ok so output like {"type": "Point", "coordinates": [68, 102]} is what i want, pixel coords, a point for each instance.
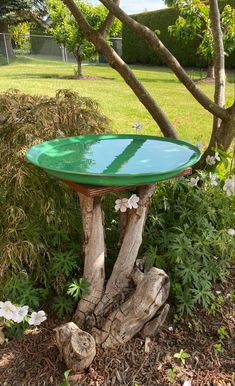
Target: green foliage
{"type": "Point", "coordinates": [65, 382]}
{"type": "Point", "coordinates": [63, 305]}
{"type": "Point", "coordinates": [67, 31]}
{"type": "Point", "coordinates": [78, 288]}
{"type": "Point", "coordinates": [14, 11]}
{"type": "Point", "coordinates": [40, 221]}
{"type": "Point", "coordinates": [21, 290]}
{"type": "Point", "coordinates": [222, 332]}
{"type": "Point", "coordinates": [182, 355]}
{"type": "Point", "coordinates": [20, 39]}
{"type": "Point", "coordinates": [186, 235]}
{"type": "Point", "coordinates": [218, 348]}
{"type": "Point", "coordinates": [136, 50]}
{"type": "Point", "coordinates": [171, 374]}
{"type": "Point", "coordinates": [194, 21]}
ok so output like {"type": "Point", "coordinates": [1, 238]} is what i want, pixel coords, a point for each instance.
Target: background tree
{"type": "Point", "coordinates": [194, 20]}
{"type": "Point", "coordinates": [67, 31]}
{"type": "Point", "coordinates": [12, 12]}
{"type": "Point", "coordinates": [15, 12]}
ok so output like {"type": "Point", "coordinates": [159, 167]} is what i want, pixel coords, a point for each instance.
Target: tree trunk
{"type": "Point", "coordinates": [132, 301]}
{"type": "Point", "coordinates": [210, 71]}
{"type": "Point", "coordinates": [79, 64]}
{"type": "Point", "coordinates": [5, 42]}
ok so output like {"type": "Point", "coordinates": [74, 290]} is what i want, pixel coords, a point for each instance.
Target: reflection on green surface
{"type": "Point", "coordinates": [119, 156]}
{"type": "Point", "coordinates": [113, 159]}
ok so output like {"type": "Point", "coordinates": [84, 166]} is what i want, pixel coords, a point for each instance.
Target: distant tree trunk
{"type": "Point", "coordinates": [5, 44]}
{"type": "Point", "coordinates": [79, 64]}
{"type": "Point", "coordinates": [210, 71]}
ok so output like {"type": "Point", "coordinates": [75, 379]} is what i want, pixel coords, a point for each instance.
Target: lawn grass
{"type": "Point", "coordinates": [116, 100]}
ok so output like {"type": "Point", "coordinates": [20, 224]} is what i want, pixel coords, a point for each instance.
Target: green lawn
{"type": "Point", "coordinates": [117, 101]}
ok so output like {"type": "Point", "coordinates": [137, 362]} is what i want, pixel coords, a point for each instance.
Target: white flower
{"type": "Point", "coordinates": [213, 179]}
{"type": "Point", "coordinates": [137, 126]}
{"type": "Point", "coordinates": [199, 145]}
{"type": "Point", "coordinates": [37, 318]}
{"type": "Point", "coordinates": [193, 181]}
{"type": "Point", "coordinates": [122, 204]}
{"type": "Point", "coordinates": [20, 314]}
{"type": "Point", "coordinates": [229, 186]}
{"type": "Point", "coordinates": [8, 310]}
{"type": "Point", "coordinates": [133, 200]}
{"type": "Point", "coordinates": [210, 160]}
{"type": "Point", "coordinates": [170, 328]}
{"type": "Point", "coordinates": [231, 232]}
{"type": "Point", "coordinates": [217, 157]}
{"type": "Point", "coordinates": [187, 383]}
{"type": "Point", "coordinates": [218, 292]}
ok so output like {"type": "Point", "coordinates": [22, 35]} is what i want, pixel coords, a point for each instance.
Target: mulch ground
{"type": "Point", "coordinates": [34, 360]}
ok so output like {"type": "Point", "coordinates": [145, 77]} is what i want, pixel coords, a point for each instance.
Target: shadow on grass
{"type": "Point", "coordinates": [61, 77]}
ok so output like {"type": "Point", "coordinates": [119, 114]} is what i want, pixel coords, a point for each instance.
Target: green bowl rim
{"type": "Point", "coordinates": [191, 162]}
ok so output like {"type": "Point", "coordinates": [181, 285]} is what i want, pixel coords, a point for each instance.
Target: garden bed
{"type": "Point", "coordinates": [34, 360]}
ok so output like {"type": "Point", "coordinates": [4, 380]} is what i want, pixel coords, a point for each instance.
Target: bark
{"type": "Point", "coordinates": [79, 64]}
{"type": "Point", "coordinates": [77, 347]}
{"type": "Point", "coordinates": [210, 71]}
{"type": "Point", "coordinates": [119, 65]}
{"type": "Point", "coordinates": [105, 27]}
{"type": "Point", "coordinates": [125, 322]}
{"type": "Point", "coordinates": [132, 299]}
{"type": "Point", "coordinates": [94, 252]}
{"type": "Point", "coordinates": [10, 51]}
{"type": "Point", "coordinates": [120, 278]}
{"type": "Point", "coordinates": [219, 95]}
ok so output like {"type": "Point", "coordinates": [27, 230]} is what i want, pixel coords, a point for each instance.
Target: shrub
{"type": "Point", "coordinates": [136, 50]}
{"type": "Point", "coordinates": [187, 235]}
{"type": "Point", "coordinates": [40, 221]}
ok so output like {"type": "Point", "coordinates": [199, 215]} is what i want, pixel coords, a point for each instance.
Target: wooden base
{"type": "Point", "coordinates": [94, 191]}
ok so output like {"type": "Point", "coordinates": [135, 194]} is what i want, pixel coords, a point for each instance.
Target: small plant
{"type": "Point", "coordinates": [222, 332]}
{"type": "Point", "coordinates": [218, 348]}
{"type": "Point", "coordinates": [78, 288]}
{"type": "Point", "coordinates": [216, 306]}
{"type": "Point", "coordinates": [63, 305]}
{"type": "Point", "coordinates": [171, 374]}
{"type": "Point", "coordinates": [65, 382]}
{"type": "Point", "coordinates": [182, 355]}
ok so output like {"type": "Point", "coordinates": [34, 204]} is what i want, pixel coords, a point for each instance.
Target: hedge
{"type": "Point", "coordinates": [136, 50]}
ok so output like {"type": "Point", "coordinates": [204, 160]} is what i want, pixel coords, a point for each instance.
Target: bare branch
{"type": "Point", "coordinates": [119, 65]}
{"type": "Point", "coordinates": [219, 96]}
{"type": "Point", "coordinates": [167, 57]}
{"type": "Point", "coordinates": [105, 27]}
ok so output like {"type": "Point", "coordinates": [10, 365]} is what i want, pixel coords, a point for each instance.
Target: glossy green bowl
{"type": "Point", "coordinates": [112, 160]}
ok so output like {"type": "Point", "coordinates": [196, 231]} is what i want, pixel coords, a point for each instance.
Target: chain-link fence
{"type": "Point", "coordinates": [43, 47]}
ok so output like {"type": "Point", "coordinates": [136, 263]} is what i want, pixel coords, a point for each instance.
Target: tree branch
{"type": "Point", "coordinates": [167, 57]}
{"type": "Point", "coordinates": [219, 95]}
{"type": "Point", "coordinates": [119, 65]}
{"type": "Point", "coordinates": [105, 27]}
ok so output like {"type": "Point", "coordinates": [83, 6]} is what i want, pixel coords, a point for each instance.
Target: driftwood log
{"type": "Point", "coordinates": [131, 302]}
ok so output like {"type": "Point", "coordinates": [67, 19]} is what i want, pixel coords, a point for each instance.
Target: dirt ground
{"type": "Point", "coordinates": [34, 360]}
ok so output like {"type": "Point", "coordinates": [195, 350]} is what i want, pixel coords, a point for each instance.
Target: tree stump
{"type": "Point", "coordinates": [132, 301]}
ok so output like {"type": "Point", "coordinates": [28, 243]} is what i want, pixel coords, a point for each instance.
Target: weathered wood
{"type": "Point", "coordinates": [77, 347]}
{"type": "Point", "coordinates": [123, 267]}
{"type": "Point", "coordinates": [128, 319]}
{"type": "Point", "coordinates": [151, 328]}
{"type": "Point", "coordinates": [94, 190]}
{"type": "Point", "coordinates": [94, 251]}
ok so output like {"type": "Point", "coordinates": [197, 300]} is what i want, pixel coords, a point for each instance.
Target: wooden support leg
{"type": "Point", "coordinates": [94, 252]}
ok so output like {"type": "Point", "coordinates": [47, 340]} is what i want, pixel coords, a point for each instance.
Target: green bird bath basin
{"type": "Point", "coordinates": [113, 160]}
